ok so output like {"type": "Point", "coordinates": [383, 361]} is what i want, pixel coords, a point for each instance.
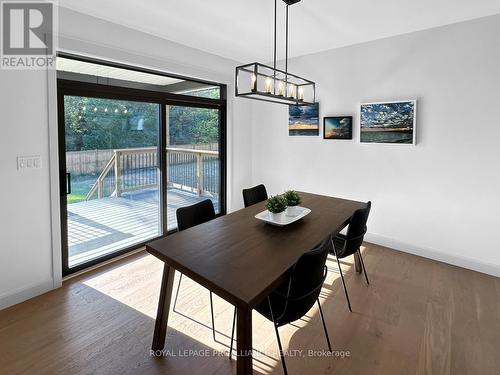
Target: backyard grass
{"type": "Point", "coordinates": [75, 198]}
{"type": "Point", "coordinates": [80, 186]}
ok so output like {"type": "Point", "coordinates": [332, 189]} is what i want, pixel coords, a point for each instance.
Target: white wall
{"type": "Point", "coordinates": [27, 266]}
{"type": "Point", "coordinates": [439, 199]}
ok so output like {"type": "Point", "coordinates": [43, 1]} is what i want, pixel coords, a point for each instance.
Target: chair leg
{"type": "Point", "coordinates": [282, 355]}
{"type": "Point", "coordinates": [177, 293]}
{"type": "Point", "coordinates": [232, 334]}
{"type": "Point", "coordinates": [363, 265]}
{"type": "Point", "coordinates": [212, 313]}
{"type": "Point", "coordinates": [324, 327]}
{"type": "Point", "coordinates": [342, 277]}
{"type": "Point", "coordinates": [211, 306]}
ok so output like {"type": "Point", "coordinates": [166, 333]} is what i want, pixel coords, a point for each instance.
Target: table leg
{"type": "Point", "coordinates": [244, 341]}
{"type": "Point", "coordinates": [167, 284]}
{"type": "Point", "coordinates": [357, 263]}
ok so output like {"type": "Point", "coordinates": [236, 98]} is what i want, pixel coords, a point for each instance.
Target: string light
{"type": "Point", "coordinates": [116, 110]}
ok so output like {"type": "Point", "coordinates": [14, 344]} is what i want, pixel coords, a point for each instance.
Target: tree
{"type": "Point", "coordinates": [96, 123]}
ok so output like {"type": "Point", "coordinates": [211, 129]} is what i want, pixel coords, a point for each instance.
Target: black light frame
{"type": "Point", "coordinates": [289, 78]}
{"type": "Point", "coordinates": [257, 94]}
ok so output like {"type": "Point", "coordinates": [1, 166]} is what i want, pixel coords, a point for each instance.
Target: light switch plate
{"type": "Point", "coordinates": [25, 162]}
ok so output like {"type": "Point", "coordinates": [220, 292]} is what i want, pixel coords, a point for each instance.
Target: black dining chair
{"type": "Point", "coordinates": [254, 195]}
{"type": "Point", "coordinates": [299, 292]}
{"type": "Point", "coordinates": [188, 217]}
{"type": "Point", "coordinates": [349, 244]}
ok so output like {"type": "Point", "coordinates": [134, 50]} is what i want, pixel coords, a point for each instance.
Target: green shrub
{"type": "Point", "coordinates": [276, 204]}
{"type": "Point", "coordinates": [292, 198]}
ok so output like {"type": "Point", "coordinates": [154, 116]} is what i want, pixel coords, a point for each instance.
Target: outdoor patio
{"type": "Point", "coordinates": [101, 226]}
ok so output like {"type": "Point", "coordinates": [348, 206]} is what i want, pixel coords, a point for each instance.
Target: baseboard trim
{"type": "Point", "coordinates": [26, 293]}
{"type": "Point", "coordinates": [456, 260]}
{"type": "Point", "coordinates": [20, 295]}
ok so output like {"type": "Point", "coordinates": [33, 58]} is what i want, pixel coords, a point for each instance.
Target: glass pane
{"type": "Point", "coordinates": [84, 71]}
{"type": "Point", "coordinates": [113, 166]}
{"type": "Point", "coordinates": [193, 158]}
{"type": "Point", "coordinates": [209, 92]}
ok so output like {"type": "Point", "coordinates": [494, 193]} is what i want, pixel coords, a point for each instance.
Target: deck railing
{"type": "Point", "coordinates": [132, 169]}
{"type": "Point", "coordinates": [193, 170]}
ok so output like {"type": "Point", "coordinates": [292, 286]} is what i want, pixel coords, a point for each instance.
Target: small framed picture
{"type": "Point", "coordinates": [388, 122]}
{"type": "Point", "coordinates": [303, 119]}
{"type": "Point", "coordinates": [339, 127]}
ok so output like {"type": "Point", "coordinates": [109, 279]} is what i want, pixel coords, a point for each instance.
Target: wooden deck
{"type": "Point", "coordinates": [102, 226]}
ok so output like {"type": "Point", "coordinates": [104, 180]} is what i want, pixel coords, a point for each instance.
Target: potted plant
{"type": "Point", "coordinates": [276, 206]}
{"type": "Point", "coordinates": [292, 201]}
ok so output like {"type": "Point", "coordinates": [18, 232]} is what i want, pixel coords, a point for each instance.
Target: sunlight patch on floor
{"type": "Point", "coordinates": [136, 284]}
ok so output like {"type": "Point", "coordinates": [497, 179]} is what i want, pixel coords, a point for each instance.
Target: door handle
{"type": "Point", "coordinates": [68, 183]}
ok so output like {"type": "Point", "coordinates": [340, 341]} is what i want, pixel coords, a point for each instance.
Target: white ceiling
{"type": "Point", "coordinates": [242, 30]}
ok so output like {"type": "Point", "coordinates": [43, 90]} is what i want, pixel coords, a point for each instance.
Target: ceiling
{"type": "Point", "coordinates": [242, 30]}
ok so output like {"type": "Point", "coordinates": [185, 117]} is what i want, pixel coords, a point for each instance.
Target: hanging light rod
{"type": "Point", "coordinates": [261, 82]}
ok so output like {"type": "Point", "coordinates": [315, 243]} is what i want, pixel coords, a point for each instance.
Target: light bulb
{"type": "Point", "coordinates": [95, 109]}
{"type": "Point", "coordinates": [254, 82]}
{"type": "Point", "coordinates": [281, 88]}
{"type": "Point", "coordinates": [301, 93]}
{"type": "Point", "coordinates": [125, 111]}
{"type": "Point", "coordinates": [116, 110]}
{"type": "Point", "coordinates": [105, 110]}
{"type": "Point", "coordinates": [84, 108]}
{"type": "Point", "coordinates": [291, 91]}
{"type": "Point", "coordinates": [79, 117]}
{"type": "Point", "coordinates": [268, 85]}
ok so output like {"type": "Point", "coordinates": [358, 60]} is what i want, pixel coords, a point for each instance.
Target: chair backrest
{"type": "Point", "coordinates": [305, 283]}
{"type": "Point", "coordinates": [195, 214]}
{"type": "Point", "coordinates": [254, 195]}
{"type": "Point", "coordinates": [357, 229]}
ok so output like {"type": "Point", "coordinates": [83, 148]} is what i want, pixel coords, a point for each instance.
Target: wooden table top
{"type": "Point", "coordinates": [242, 259]}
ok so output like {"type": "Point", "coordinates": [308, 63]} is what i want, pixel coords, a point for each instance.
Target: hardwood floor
{"type": "Point", "coordinates": [417, 317]}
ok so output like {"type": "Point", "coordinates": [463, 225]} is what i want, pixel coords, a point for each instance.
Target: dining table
{"type": "Point", "coordinates": [242, 259]}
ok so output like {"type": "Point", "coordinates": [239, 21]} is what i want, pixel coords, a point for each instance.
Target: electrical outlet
{"type": "Point", "coordinates": [25, 162]}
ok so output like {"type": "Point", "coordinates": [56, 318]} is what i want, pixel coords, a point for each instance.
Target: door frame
{"type": "Point", "coordinates": [76, 88]}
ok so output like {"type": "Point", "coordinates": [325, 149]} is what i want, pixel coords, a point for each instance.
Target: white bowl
{"type": "Point", "coordinates": [293, 210]}
{"type": "Point", "coordinates": [279, 217]}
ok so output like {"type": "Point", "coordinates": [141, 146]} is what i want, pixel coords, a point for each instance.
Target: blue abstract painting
{"type": "Point", "coordinates": [389, 122]}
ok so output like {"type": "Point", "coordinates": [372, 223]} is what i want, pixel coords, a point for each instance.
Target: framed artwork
{"type": "Point", "coordinates": [339, 127]}
{"type": "Point", "coordinates": [303, 119]}
{"type": "Point", "coordinates": [388, 122]}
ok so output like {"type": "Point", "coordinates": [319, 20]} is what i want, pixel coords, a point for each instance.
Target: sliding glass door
{"type": "Point", "coordinates": [111, 174]}
{"type": "Point", "coordinates": [193, 162]}
{"type": "Point", "coordinates": [134, 146]}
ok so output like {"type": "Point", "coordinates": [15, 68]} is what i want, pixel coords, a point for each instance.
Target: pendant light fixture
{"type": "Point", "coordinates": [261, 82]}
